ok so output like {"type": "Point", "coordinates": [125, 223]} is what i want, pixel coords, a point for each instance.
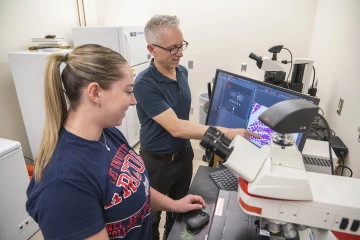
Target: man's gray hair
{"type": "Point", "coordinates": [153, 26]}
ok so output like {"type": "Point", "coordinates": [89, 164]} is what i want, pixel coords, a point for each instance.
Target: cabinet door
{"type": "Point", "coordinates": [133, 126]}
{"type": "Point", "coordinates": [132, 120]}
{"type": "Point", "coordinates": [123, 128]}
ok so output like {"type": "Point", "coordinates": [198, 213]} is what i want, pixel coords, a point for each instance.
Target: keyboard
{"type": "Point", "coordinates": [225, 180]}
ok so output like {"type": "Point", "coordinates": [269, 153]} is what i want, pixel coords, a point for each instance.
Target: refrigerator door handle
{"type": "Point", "coordinates": [127, 47]}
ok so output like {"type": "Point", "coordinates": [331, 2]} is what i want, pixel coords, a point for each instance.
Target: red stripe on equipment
{"type": "Point", "coordinates": [250, 208]}
{"type": "Point", "coordinates": [345, 236]}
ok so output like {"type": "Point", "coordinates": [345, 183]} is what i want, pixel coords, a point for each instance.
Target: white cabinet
{"type": "Point", "coordinates": [14, 181]}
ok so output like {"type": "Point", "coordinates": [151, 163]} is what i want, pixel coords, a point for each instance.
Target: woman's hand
{"type": "Point", "coordinates": [189, 203]}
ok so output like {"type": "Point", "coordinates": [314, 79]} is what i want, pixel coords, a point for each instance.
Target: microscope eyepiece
{"type": "Point", "coordinates": [218, 134]}
{"type": "Point", "coordinates": [255, 57]}
{"type": "Point", "coordinates": [213, 144]}
{"type": "Point", "coordinates": [258, 59]}
{"type": "Point", "coordinates": [225, 140]}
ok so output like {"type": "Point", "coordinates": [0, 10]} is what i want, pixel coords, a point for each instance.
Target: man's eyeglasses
{"type": "Point", "coordinates": [175, 50]}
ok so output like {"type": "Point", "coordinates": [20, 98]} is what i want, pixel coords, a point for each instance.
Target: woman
{"type": "Point", "coordinates": [89, 183]}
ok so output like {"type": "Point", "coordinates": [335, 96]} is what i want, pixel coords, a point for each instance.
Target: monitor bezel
{"type": "Point", "coordinates": [314, 99]}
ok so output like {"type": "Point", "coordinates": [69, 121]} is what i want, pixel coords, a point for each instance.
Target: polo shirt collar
{"type": "Point", "coordinates": [159, 77]}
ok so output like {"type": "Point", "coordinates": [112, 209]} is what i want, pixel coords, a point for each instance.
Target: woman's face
{"type": "Point", "coordinates": [119, 97]}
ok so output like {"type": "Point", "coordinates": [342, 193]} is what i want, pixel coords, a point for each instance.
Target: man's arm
{"type": "Point", "coordinates": [152, 102]}
{"type": "Point", "coordinates": [178, 127]}
{"type": "Point", "coordinates": [189, 130]}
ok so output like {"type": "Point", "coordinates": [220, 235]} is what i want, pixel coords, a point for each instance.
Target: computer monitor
{"type": "Point", "coordinates": [237, 101]}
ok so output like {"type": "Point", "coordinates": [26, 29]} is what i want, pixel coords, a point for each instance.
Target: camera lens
{"type": "Point", "coordinates": [289, 230]}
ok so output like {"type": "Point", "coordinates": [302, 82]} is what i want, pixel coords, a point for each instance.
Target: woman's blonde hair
{"type": "Point", "coordinates": [85, 64]}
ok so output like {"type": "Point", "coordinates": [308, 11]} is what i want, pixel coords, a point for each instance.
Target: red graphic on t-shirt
{"type": "Point", "coordinates": [125, 171]}
{"type": "Point", "coordinates": [120, 228]}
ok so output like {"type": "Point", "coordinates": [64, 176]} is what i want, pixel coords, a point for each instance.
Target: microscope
{"type": "Point", "coordinates": [274, 185]}
{"type": "Point", "coordinates": [275, 73]}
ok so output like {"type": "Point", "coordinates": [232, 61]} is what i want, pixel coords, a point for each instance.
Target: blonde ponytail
{"type": "Point", "coordinates": [55, 112]}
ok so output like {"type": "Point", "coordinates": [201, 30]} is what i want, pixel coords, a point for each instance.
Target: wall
{"type": "Point", "coordinates": [19, 21]}
{"type": "Point", "coordinates": [335, 49]}
{"type": "Point", "coordinates": [222, 34]}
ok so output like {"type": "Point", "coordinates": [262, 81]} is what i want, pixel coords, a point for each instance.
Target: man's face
{"type": "Point", "coordinates": [170, 38]}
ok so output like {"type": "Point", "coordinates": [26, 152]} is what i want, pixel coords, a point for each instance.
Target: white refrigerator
{"type": "Point", "coordinates": [130, 42]}
{"type": "Point", "coordinates": [15, 222]}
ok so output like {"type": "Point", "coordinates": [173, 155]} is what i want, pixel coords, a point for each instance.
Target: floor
{"type": "Point", "coordinates": [196, 163]}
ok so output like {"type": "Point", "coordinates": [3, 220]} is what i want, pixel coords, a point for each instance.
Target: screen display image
{"type": "Point", "coordinates": [256, 126]}
{"type": "Point", "coordinates": [237, 102]}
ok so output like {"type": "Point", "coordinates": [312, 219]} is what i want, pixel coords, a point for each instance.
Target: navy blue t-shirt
{"type": "Point", "coordinates": [156, 93]}
{"type": "Point", "coordinates": [86, 188]}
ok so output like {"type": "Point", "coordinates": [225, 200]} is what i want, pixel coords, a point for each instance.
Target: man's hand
{"type": "Point", "coordinates": [189, 203]}
{"type": "Point", "coordinates": [232, 132]}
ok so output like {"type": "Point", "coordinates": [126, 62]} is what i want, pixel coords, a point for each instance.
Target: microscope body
{"type": "Point", "coordinates": [275, 74]}
{"type": "Point", "coordinates": [273, 183]}
{"type": "Point", "coordinates": [272, 171]}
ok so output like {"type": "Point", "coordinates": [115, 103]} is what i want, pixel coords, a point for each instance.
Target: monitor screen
{"type": "Point", "coordinates": [237, 102]}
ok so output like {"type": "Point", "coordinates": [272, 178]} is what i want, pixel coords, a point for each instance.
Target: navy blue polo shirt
{"type": "Point", "coordinates": [156, 93]}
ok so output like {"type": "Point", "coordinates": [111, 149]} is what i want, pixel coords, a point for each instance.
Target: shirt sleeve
{"type": "Point", "coordinates": [68, 210]}
{"type": "Point", "coordinates": [150, 99]}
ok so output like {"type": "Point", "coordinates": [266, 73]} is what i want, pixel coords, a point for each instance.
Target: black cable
{"type": "Point", "coordinates": [333, 132]}
{"type": "Point", "coordinates": [315, 127]}
{"type": "Point", "coordinates": [343, 161]}
{"type": "Point", "coordinates": [319, 136]}
{"type": "Point", "coordinates": [287, 80]}
{"type": "Point", "coordinates": [318, 119]}
{"type": "Point", "coordinates": [312, 86]}
{"type": "Point", "coordinates": [209, 89]}
{"type": "Point", "coordinates": [29, 158]}
{"type": "Point", "coordinates": [330, 142]}
{"type": "Point", "coordinates": [351, 172]}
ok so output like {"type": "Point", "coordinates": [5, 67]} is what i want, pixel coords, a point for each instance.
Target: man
{"type": "Point", "coordinates": [163, 106]}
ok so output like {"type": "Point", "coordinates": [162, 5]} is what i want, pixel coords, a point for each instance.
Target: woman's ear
{"type": "Point", "coordinates": [94, 93]}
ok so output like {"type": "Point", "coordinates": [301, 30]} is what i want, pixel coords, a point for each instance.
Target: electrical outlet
{"type": "Point", "coordinates": [243, 67]}
{"type": "Point", "coordinates": [191, 110]}
{"type": "Point", "coordinates": [25, 224]}
{"type": "Point", "coordinates": [190, 65]}
{"type": "Point", "coordinates": [340, 106]}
